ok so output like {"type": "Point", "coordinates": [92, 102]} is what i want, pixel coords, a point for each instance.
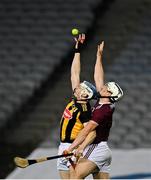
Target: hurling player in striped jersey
{"type": "Point", "coordinates": [77, 112]}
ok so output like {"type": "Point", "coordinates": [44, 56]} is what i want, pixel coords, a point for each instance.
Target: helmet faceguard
{"type": "Point", "coordinates": [88, 89]}
{"type": "Point", "coordinates": [116, 91]}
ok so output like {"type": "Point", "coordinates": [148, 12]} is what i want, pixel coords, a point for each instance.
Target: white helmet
{"type": "Point", "coordinates": [116, 91]}
{"type": "Point", "coordinates": [89, 88]}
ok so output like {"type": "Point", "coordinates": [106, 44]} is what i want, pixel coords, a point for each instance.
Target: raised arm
{"type": "Point", "coordinates": [76, 66]}
{"type": "Point", "coordinates": [98, 69]}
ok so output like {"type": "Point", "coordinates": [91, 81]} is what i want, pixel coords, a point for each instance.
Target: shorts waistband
{"type": "Point", "coordinates": [65, 143]}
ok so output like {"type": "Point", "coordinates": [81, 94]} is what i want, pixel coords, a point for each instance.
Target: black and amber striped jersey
{"type": "Point", "coordinates": [73, 118]}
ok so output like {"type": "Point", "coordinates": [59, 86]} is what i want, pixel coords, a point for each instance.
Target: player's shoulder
{"type": "Point", "coordinates": [104, 106]}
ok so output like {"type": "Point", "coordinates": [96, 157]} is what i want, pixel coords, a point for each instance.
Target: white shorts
{"type": "Point", "coordinates": [100, 154]}
{"type": "Point", "coordinates": [62, 163]}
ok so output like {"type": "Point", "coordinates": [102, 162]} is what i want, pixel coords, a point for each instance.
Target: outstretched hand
{"type": "Point", "coordinates": [79, 40]}
{"type": "Point", "coordinates": [100, 49]}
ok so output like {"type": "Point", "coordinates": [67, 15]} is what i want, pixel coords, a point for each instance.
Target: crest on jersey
{"type": "Point", "coordinates": [67, 114]}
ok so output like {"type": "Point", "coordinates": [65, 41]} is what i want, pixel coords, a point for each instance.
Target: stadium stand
{"type": "Point", "coordinates": [35, 39]}
{"type": "Point", "coordinates": [35, 54]}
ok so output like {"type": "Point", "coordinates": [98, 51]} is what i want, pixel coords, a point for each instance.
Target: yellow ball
{"type": "Point", "coordinates": [75, 31]}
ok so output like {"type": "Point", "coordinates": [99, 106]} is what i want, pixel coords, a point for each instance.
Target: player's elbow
{"type": "Point", "coordinates": [90, 128]}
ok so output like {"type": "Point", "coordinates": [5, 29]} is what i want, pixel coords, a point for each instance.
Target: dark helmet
{"type": "Point", "coordinates": [90, 89]}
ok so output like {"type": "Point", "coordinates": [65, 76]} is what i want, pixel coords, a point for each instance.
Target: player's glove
{"type": "Point", "coordinates": [79, 43]}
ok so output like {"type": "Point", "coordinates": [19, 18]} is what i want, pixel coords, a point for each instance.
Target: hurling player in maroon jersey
{"type": "Point", "coordinates": [97, 157]}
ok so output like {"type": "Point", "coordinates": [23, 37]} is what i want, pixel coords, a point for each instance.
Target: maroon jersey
{"type": "Point", "coordinates": [102, 115]}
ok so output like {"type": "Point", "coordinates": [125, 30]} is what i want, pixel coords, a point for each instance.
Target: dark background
{"type": "Point", "coordinates": [36, 51]}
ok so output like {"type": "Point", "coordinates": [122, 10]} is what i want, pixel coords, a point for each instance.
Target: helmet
{"type": "Point", "coordinates": [90, 89]}
{"type": "Point", "coordinates": [116, 91]}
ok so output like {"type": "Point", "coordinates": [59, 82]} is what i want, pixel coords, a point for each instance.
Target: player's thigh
{"type": "Point", "coordinates": [72, 172]}
{"type": "Point", "coordinates": [101, 175]}
{"type": "Point", "coordinates": [83, 168]}
{"type": "Point", "coordinates": [64, 174]}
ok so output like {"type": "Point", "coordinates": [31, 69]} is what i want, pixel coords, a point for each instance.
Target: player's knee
{"type": "Point", "coordinates": [80, 174]}
{"type": "Point", "coordinates": [104, 175]}
{"type": "Point", "coordinates": [77, 175]}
